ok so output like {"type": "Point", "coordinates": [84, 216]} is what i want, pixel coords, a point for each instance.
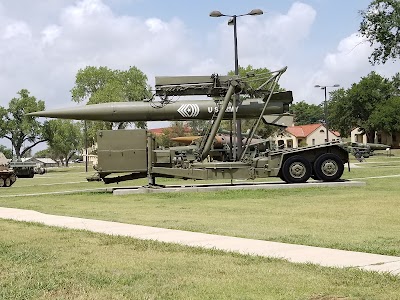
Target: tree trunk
{"type": "Point", "coordinates": [370, 136]}
{"type": "Point", "coordinates": [17, 151]}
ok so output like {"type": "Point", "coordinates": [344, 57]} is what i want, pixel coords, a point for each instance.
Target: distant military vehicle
{"type": "Point", "coordinates": [134, 152]}
{"type": "Point", "coordinates": [7, 174]}
{"type": "Point", "coordinates": [26, 169]}
{"type": "Point", "coordinates": [374, 146]}
{"type": "Point", "coordinates": [23, 169]}
{"type": "Point", "coordinates": [360, 150]}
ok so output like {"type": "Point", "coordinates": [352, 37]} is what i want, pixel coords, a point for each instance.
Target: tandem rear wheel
{"type": "Point", "coordinates": [6, 182]}
{"type": "Point", "coordinates": [296, 169]}
{"type": "Point", "coordinates": [328, 167]}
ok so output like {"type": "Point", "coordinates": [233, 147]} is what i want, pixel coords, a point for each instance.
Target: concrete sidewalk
{"type": "Point", "coordinates": [293, 253]}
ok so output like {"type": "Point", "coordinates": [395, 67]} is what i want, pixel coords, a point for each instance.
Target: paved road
{"type": "Point", "coordinates": [293, 253]}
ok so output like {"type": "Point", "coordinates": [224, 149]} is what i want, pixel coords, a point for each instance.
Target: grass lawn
{"type": "Point", "coordinates": [39, 262]}
{"type": "Point", "coordinates": [355, 218]}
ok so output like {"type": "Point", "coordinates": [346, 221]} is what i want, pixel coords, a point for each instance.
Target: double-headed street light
{"type": "Point", "coordinates": [323, 87]}
{"type": "Point", "coordinates": [232, 21]}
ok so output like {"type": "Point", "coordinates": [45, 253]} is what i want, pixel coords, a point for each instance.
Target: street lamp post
{"type": "Point", "coordinates": [323, 87]}
{"type": "Point", "coordinates": [86, 148]}
{"type": "Point", "coordinates": [232, 21]}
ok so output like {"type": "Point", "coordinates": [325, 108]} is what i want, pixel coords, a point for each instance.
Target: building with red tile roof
{"type": "Point", "coordinates": [159, 131]}
{"type": "Point", "coordinates": [305, 135]}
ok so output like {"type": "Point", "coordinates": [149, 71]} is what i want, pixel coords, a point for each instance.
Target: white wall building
{"type": "Point", "coordinates": [304, 135]}
{"type": "Point", "coordinates": [356, 136]}
{"type": "Point", "coordinates": [392, 140]}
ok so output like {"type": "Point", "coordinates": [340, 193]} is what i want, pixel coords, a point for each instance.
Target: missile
{"type": "Point", "coordinates": [220, 140]}
{"type": "Point", "coordinates": [173, 111]}
{"type": "Point", "coordinates": [186, 140]}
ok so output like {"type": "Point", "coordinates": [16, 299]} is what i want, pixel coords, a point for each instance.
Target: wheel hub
{"type": "Point", "coordinates": [297, 170]}
{"type": "Point", "coordinates": [329, 167]}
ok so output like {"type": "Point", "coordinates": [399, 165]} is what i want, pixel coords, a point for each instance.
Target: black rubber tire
{"type": "Point", "coordinates": [296, 169]}
{"type": "Point", "coordinates": [328, 167]}
{"type": "Point", "coordinates": [313, 176]}
{"type": "Point", "coordinates": [281, 176]}
{"type": "Point", "coordinates": [7, 182]}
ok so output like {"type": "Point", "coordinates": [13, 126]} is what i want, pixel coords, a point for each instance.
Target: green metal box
{"type": "Point", "coordinates": [122, 151]}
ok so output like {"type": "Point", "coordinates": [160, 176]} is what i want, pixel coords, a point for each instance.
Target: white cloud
{"type": "Point", "coordinates": [344, 66]}
{"type": "Point", "coordinates": [268, 41]}
{"type": "Point", "coordinates": [156, 25]}
{"type": "Point", "coordinates": [86, 13]}
{"type": "Point", "coordinates": [50, 34]}
{"type": "Point", "coordinates": [16, 30]}
{"type": "Point", "coordinates": [89, 33]}
{"type": "Point", "coordinates": [44, 55]}
{"type": "Point", "coordinates": [350, 55]}
{"type": "Point", "coordinates": [45, 60]}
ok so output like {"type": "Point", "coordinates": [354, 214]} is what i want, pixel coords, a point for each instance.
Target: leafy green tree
{"type": "Point", "coordinates": [340, 110]}
{"type": "Point", "coordinates": [196, 127]}
{"type": "Point", "coordinates": [396, 84]}
{"type": "Point", "coordinates": [27, 153]}
{"type": "Point", "coordinates": [353, 107]}
{"type": "Point", "coordinates": [380, 25]}
{"type": "Point", "coordinates": [64, 138]}
{"type": "Point", "coordinates": [250, 72]}
{"type": "Point", "coordinates": [386, 115]}
{"type": "Point", "coordinates": [24, 132]}
{"type": "Point", "coordinates": [44, 153]}
{"type": "Point", "coordinates": [6, 151]}
{"type": "Point", "coordinates": [305, 113]}
{"type": "Point", "coordinates": [263, 131]}
{"type": "Point", "coordinates": [102, 85]}
{"type": "Point", "coordinates": [176, 129]}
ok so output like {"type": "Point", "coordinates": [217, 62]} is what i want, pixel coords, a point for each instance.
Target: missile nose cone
{"type": "Point", "coordinates": [86, 112]}
{"type": "Point", "coordinates": [37, 114]}
{"type": "Point", "coordinates": [187, 140]}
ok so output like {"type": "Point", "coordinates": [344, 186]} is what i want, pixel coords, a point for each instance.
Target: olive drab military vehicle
{"type": "Point", "coordinates": [7, 174]}
{"type": "Point", "coordinates": [134, 154]}
{"type": "Point", "coordinates": [361, 151]}
{"type": "Point", "coordinates": [24, 169]}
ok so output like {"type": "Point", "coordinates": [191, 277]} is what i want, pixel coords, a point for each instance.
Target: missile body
{"type": "Point", "coordinates": [152, 111]}
{"type": "Point", "coordinates": [219, 141]}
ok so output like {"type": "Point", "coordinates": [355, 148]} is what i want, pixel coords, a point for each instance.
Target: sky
{"type": "Point", "coordinates": [43, 45]}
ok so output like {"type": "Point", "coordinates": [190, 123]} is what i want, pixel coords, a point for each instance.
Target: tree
{"type": "Point", "coordinates": [380, 25]}
{"type": "Point", "coordinates": [196, 127]}
{"type": "Point", "coordinates": [102, 85]}
{"type": "Point", "coordinates": [6, 151]}
{"type": "Point", "coordinates": [45, 153]}
{"type": "Point", "coordinates": [386, 115]}
{"type": "Point", "coordinates": [354, 107]}
{"type": "Point", "coordinates": [305, 113]}
{"type": "Point", "coordinates": [262, 73]}
{"type": "Point", "coordinates": [396, 84]}
{"type": "Point", "coordinates": [340, 116]}
{"type": "Point", "coordinates": [262, 130]}
{"type": "Point", "coordinates": [23, 131]}
{"type": "Point", "coordinates": [176, 129]}
{"type": "Point", "coordinates": [64, 138]}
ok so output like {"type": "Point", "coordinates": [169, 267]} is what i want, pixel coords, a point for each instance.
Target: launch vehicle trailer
{"type": "Point", "coordinates": [133, 154]}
